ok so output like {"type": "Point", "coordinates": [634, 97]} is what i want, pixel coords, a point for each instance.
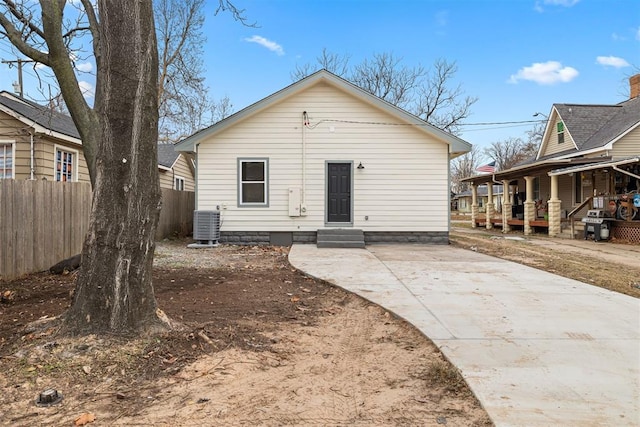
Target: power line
{"type": "Point", "coordinates": [19, 62]}
{"type": "Point", "coordinates": [502, 123]}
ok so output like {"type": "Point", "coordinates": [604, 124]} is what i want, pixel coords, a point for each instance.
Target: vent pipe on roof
{"type": "Point", "coordinates": [634, 85]}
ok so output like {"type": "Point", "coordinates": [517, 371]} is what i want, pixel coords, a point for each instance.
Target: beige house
{"type": "Point", "coordinates": [176, 169]}
{"type": "Point", "coordinates": [589, 159]}
{"type": "Point", "coordinates": [463, 201]}
{"type": "Point", "coordinates": [39, 143]}
{"type": "Point", "coordinates": [323, 156]}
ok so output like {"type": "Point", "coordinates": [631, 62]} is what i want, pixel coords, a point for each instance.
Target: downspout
{"type": "Point", "coordinates": [32, 157]}
{"type": "Point", "coordinates": [195, 187]}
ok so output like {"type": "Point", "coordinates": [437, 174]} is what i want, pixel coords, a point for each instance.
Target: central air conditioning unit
{"type": "Point", "coordinates": [206, 228]}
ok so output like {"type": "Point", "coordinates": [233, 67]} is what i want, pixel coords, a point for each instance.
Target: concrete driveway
{"type": "Point", "coordinates": [536, 349]}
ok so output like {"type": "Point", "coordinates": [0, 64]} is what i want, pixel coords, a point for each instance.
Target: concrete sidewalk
{"type": "Point", "coordinates": [536, 349]}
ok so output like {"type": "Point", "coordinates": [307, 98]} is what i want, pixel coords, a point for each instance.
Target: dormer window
{"type": "Point", "coordinates": [560, 127]}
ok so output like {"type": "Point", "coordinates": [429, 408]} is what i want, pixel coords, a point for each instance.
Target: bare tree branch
{"type": "Point", "coordinates": [510, 152]}
{"type": "Point", "coordinates": [464, 167]}
{"type": "Point", "coordinates": [23, 18]}
{"type": "Point", "coordinates": [428, 94]}
{"type": "Point", "coordinates": [19, 38]}
{"type": "Point", "coordinates": [238, 14]}
{"type": "Point", "coordinates": [94, 26]}
{"type": "Point", "coordinates": [441, 104]}
{"type": "Point", "coordinates": [334, 63]}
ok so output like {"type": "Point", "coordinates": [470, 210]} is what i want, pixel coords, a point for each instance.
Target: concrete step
{"type": "Point", "coordinates": [340, 238]}
{"type": "Point", "coordinates": [340, 232]}
{"type": "Point", "coordinates": [340, 244]}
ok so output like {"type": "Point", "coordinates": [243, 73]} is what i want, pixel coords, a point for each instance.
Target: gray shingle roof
{"type": "Point", "coordinates": [44, 116]}
{"type": "Point", "coordinates": [593, 126]}
{"type": "Point", "coordinates": [167, 155]}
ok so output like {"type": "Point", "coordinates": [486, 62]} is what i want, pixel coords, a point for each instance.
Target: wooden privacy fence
{"type": "Point", "coordinates": [176, 217]}
{"type": "Point", "coordinates": [43, 222]}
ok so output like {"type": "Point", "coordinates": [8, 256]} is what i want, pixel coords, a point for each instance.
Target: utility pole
{"type": "Point", "coordinates": [19, 62]}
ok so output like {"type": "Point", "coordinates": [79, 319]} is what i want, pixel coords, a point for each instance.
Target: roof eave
{"type": "Point", "coordinates": [39, 128]}
{"type": "Point", "coordinates": [595, 165]}
{"type": "Point", "coordinates": [456, 145]}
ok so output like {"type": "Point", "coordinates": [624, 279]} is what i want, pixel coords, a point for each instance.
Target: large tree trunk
{"type": "Point", "coordinates": [114, 292]}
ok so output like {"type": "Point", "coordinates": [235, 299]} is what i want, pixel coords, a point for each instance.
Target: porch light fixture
{"type": "Point", "coordinates": [360, 166]}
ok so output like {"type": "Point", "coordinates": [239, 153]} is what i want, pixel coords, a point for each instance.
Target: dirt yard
{"type": "Point", "coordinates": [262, 345]}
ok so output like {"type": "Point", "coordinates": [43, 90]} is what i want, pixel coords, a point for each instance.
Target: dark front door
{"type": "Point", "coordinates": [339, 192]}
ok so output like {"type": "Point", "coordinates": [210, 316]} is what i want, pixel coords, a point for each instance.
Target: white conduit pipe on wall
{"type": "Point", "coordinates": [32, 166]}
{"type": "Point", "coordinates": [305, 122]}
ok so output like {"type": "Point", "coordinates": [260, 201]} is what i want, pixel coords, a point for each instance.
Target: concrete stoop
{"type": "Point", "coordinates": [340, 238]}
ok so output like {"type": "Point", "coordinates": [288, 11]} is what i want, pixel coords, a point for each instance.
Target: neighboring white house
{"type": "Point", "coordinates": [325, 154]}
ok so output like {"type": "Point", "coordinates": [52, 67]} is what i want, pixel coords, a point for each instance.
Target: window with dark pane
{"type": "Point", "coordinates": [253, 171]}
{"type": "Point", "coordinates": [253, 182]}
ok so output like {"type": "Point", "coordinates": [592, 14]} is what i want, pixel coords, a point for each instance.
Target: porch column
{"type": "Point", "coordinates": [474, 205]}
{"type": "Point", "coordinates": [506, 206]}
{"type": "Point", "coordinates": [553, 206]}
{"type": "Point", "coordinates": [491, 207]}
{"type": "Point", "coordinates": [529, 205]}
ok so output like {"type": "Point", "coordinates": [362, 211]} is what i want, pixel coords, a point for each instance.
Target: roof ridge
{"type": "Point", "coordinates": [588, 105]}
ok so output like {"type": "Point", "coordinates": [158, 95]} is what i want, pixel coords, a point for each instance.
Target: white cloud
{"type": "Point", "coordinates": [638, 34]}
{"type": "Point", "coordinates": [87, 89]}
{"type": "Point", "coordinates": [442, 18]}
{"type": "Point", "coordinates": [564, 3]}
{"type": "Point", "coordinates": [271, 45]}
{"type": "Point", "coordinates": [545, 73]}
{"type": "Point", "coordinates": [85, 67]}
{"type": "Point", "coordinates": [617, 37]}
{"type": "Point", "coordinates": [612, 61]}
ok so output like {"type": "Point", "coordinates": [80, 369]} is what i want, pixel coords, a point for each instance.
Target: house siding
{"type": "Point", "coordinates": [10, 131]}
{"type": "Point", "coordinates": [565, 192]}
{"type": "Point", "coordinates": [552, 146]}
{"type": "Point", "coordinates": [627, 146]}
{"type": "Point", "coordinates": [43, 152]}
{"type": "Point", "coordinates": [45, 160]}
{"type": "Point", "coordinates": [403, 186]}
{"type": "Point", "coordinates": [182, 169]}
{"type": "Point", "coordinates": [166, 179]}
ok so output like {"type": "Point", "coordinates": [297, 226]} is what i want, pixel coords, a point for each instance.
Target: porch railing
{"type": "Point", "coordinates": [575, 210]}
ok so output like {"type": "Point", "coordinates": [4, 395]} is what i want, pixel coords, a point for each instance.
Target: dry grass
{"type": "Point", "coordinates": [585, 268]}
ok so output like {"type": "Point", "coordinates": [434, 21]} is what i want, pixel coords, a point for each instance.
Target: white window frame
{"type": "Point", "coordinates": [178, 179]}
{"type": "Point", "coordinates": [13, 157]}
{"type": "Point", "coordinates": [560, 132]}
{"type": "Point", "coordinates": [75, 162]}
{"type": "Point", "coordinates": [265, 162]}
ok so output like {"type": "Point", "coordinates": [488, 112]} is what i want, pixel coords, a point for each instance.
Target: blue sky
{"type": "Point", "coordinates": [517, 57]}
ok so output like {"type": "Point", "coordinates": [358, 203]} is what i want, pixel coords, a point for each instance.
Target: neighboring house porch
{"type": "Point", "coordinates": [589, 159]}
